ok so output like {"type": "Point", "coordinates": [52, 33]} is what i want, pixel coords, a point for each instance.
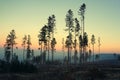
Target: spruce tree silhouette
{"type": "Point", "coordinates": [28, 55]}
{"type": "Point", "coordinates": [24, 45]}
{"type": "Point", "coordinates": [85, 44]}
{"type": "Point", "coordinates": [99, 44]}
{"type": "Point", "coordinates": [80, 48]}
{"type": "Point", "coordinates": [83, 39]}
{"type": "Point", "coordinates": [7, 49]}
{"type": "Point", "coordinates": [76, 34]}
{"type": "Point", "coordinates": [12, 39]}
{"type": "Point", "coordinates": [93, 42]}
{"type": "Point", "coordinates": [70, 28]}
{"type": "Point", "coordinates": [51, 28]}
{"type": "Point", "coordinates": [43, 40]}
{"type": "Point", "coordinates": [9, 45]}
{"type": "Point", "coordinates": [90, 52]}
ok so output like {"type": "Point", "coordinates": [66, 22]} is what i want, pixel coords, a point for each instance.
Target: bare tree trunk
{"type": "Point", "coordinates": [52, 47]}
{"type": "Point", "coordinates": [12, 51]}
{"type": "Point", "coordinates": [69, 48]}
{"type": "Point", "coordinates": [93, 52]}
{"type": "Point", "coordinates": [68, 55]}
{"type": "Point", "coordinates": [23, 53]}
{"type": "Point", "coordinates": [41, 53]}
{"type": "Point", "coordinates": [52, 55]}
{"type": "Point", "coordinates": [48, 48]}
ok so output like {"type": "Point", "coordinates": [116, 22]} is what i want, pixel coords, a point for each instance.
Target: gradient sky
{"type": "Point", "coordinates": [102, 18]}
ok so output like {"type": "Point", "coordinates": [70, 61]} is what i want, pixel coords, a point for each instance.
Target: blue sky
{"type": "Point", "coordinates": [28, 16]}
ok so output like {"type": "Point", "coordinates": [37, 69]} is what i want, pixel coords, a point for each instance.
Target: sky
{"type": "Point", "coordinates": [29, 16]}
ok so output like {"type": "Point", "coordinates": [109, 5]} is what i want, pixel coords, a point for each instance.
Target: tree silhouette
{"type": "Point", "coordinates": [7, 49]}
{"type": "Point", "coordinates": [32, 53]}
{"type": "Point", "coordinates": [52, 28]}
{"type": "Point", "coordinates": [80, 48]}
{"type": "Point", "coordinates": [85, 44]}
{"type": "Point", "coordinates": [70, 28]}
{"type": "Point", "coordinates": [93, 42]}
{"type": "Point", "coordinates": [81, 13]}
{"type": "Point", "coordinates": [49, 28]}
{"type": "Point", "coordinates": [53, 42]}
{"type": "Point", "coordinates": [9, 45]}
{"type": "Point", "coordinates": [89, 52]}
{"type": "Point", "coordinates": [24, 45]}
{"type": "Point", "coordinates": [63, 46]}
{"type": "Point", "coordinates": [97, 57]}
{"type": "Point", "coordinates": [28, 55]}
{"type": "Point", "coordinates": [12, 39]}
{"type": "Point", "coordinates": [15, 57]}
{"type": "Point", "coordinates": [99, 44]}
{"type": "Point", "coordinates": [46, 36]}
{"type": "Point", "coordinates": [76, 30]}
{"type": "Point", "coordinates": [43, 40]}
{"type": "Point", "coordinates": [83, 40]}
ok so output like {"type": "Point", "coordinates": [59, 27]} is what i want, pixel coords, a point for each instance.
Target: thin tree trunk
{"type": "Point", "coordinates": [23, 53]}
{"type": "Point", "coordinates": [52, 47]}
{"type": "Point", "coordinates": [52, 55]}
{"type": "Point", "coordinates": [41, 53]}
{"type": "Point", "coordinates": [68, 54]}
{"type": "Point", "coordinates": [93, 52]}
{"type": "Point", "coordinates": [48, 48]}
{"type": "Point", "coordinates": [69, 48]}
{"type": "Point", "coordinates": [12, 51]}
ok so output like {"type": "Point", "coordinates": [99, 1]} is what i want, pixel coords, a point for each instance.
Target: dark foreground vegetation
{"type": "Point", "coordinates": [87, 71]}
{"type": "Point", "coordinates": [17, 67]}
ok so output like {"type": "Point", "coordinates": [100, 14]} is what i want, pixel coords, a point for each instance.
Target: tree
{"type": "Point", "coordinates": [63, 45]}
{"type": "Point", "coordinates": [85, 44]}
{"type": "Point", "coordinates": [76, 34]}
{"type": "Point", "coordinates": [69, 24]}
{"type": "Point", "coordinates": [32, 53]}
{"type": "Point", "coordinates": [83, 36]}
{"type": "Point", "coordinates": [90, 52]}
{"type": "Point", "coordinates": [99, 44]}
{"type": "Point", "coordinates": [51, 28]}
{"type": "Point", "coordinates": [7, 49]}
{"type": "Point", "coordinates": [97, 57]}
{"type": "Point", "coordinates": [24, 45]}
{"type": "Point", "coordinates": [93, 42]}
{"type": "Point", "coordinates": [12, 39]}
{"type": "Point", "coordinates": [80, 48]}
{"type": "Point", "coordinates": [81, 13]}
{"type": "Point", "coordinates": [43, 40]}
{"type": "Point", "coordinates": [15, 58]}
{"type": "Point", "coordinates": [28, 55]}
{"type": "Point", "coordinates": [53, 41]}
{"type": "Point", "coordinates": [9, 45]}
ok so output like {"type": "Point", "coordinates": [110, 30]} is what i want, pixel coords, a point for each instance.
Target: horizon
{"type": "Point", "coordinates": [59, 55]}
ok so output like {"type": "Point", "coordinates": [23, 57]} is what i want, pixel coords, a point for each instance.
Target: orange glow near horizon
{"type": "Point", "coordinates": [104, 48]}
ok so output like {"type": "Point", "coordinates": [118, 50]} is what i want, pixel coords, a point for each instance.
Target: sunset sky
{"type": "Point", "coordinates": [102, 18]}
